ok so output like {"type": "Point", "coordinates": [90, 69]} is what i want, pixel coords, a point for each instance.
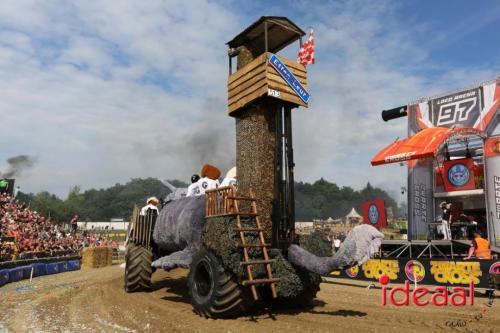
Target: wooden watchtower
{"type": "Point", "coordinates": [261, 95]}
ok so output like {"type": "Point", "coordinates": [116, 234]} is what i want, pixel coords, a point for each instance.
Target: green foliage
{"type": "Point", "coordinates": [219, 237]}
{"type": "Point", "coordinates": [315, 244]}
{"type": "Point", "coordinates": [323, 199]}
{"type": "Point", "coordinates": [290, 284]}
{"type": "Point", "coordinates": [98, 205]}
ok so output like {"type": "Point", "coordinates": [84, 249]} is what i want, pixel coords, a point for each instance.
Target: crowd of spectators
{"type": "Point", "coordinates": [26, 234]}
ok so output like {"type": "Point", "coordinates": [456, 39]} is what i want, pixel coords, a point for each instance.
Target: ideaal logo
{"type": "Point", "coordinates": [458, 175]}
{"type": "Point", "coordinates": [373, 215]}
{"type": "Point", "coordinates": [440, 297]}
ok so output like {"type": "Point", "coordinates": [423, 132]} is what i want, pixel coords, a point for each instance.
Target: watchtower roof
{"type": "Point", "coordinates": [281, 32]}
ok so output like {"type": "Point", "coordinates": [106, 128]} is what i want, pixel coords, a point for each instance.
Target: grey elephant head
{"type": "Point", "coordinates": [175, 192]}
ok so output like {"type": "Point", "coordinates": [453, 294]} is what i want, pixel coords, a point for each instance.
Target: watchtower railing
{"type": "Point", "coordinates": [220, 201]}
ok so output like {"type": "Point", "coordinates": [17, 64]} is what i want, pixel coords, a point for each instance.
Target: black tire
{"type": "Point", "coordinates": [138, 268]}
{"type": "Point", "coordinates": [214, 292]}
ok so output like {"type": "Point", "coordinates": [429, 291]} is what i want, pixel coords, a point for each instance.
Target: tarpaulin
{"type": "Point", "coordinates": [425, 143]}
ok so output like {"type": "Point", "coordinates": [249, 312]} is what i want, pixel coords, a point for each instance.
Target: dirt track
{"type": "Point", "coordinates": [94, 301]}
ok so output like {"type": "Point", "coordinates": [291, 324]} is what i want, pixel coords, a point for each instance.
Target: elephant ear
{"type": "Point", "coordinates": [361, 244]}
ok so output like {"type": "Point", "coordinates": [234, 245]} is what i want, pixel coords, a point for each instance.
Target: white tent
{"type": "Point", "coordinates": [353, 217]}
{"type": "Point", "coordinates": [353, 214]}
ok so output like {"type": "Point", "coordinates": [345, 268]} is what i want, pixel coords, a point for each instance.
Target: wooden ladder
{"type": "Point", "coordinates": [261, 244]}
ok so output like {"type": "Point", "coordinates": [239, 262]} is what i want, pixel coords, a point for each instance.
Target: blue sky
{"type": "Point", "coordinates": [102, 91]}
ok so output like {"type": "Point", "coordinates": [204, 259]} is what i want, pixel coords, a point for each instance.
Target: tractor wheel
{"type": "Point", "coordinates": [138, 268]}
{"type": "Point", "coordinates": [214, 292]}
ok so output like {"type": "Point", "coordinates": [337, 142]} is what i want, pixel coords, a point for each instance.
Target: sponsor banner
{"type": "Point", "coordinates": [475, 108]}
{"type": "Point", "coordinates": [461, 108]}
{"type": "Point", "coordinates": [288, 76]}
{"type": "Point", "coordinates": [374, 213]}
{"type": "Point", "coordinates": [420, 199]}
{"type": "Point", "coordinates": [492, 169]}
{"type": "Point", "coordinates": [424, 271]}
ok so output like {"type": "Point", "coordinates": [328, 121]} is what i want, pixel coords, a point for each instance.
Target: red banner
{"type": "Point", "coordinates": [374, 213]}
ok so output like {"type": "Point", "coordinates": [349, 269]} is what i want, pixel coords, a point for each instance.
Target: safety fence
{"type": "Point", "coordinates": [27, 269]}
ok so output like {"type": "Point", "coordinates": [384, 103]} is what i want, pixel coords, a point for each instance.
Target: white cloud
{"type": "Point", "coordinates": [101, 92]}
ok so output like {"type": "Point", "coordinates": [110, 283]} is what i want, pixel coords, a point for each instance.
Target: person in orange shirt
{"type": "Point", "coordinates": [480, 248]}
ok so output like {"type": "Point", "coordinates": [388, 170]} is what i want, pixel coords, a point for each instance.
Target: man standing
{"type": "Point", "coordinates": [445, 220]}
{"type": "Point", "coordinates": [336, 243]}
{"type": "Point", "coordinates": [74, 223]}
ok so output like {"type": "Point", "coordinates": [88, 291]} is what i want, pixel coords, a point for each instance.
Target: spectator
{"type": "Point", "coordinates": [151, 203]}
{"type": "Point", "coordinates": [74, 223]}
{"type": "Point", "coordinates": [336, 244]}
{"type": "Point", "coordinates": [27, 234]}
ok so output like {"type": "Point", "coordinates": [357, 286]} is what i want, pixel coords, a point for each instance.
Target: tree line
{"type": "Point", "coordinates": [320, 199]}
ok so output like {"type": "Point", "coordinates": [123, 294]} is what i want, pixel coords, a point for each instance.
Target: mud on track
{"type": "Point", "coordinates": [94, 301]}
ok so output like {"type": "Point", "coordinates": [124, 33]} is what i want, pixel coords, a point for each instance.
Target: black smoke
{"type": "Point", "coordinates": [16, 164]}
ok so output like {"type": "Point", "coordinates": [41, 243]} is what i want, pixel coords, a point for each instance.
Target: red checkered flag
{"type": "Point", "coordinates": [306, 53]}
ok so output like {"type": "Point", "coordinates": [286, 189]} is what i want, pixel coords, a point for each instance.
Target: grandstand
{"type": "Point", "coordinates": [27, 235]}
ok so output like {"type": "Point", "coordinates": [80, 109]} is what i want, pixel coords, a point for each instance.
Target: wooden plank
{"type": "Point", "coordinates": [241, 103]}
{"type": "Point", "coordinates": [247, 84]}
{"type": "Point", "coordinates": [246, 77]}
{"type": "Point", "coordinates": [257, 262]}
{"type": "Point", "coordinates": [256, 71]}
{"type": "Point", "coordinates": [278, 81]}
{"type": "Point", "coordinates": [248, 92]}
{"type": "Point", "coordinates": [260, 281]}
{"type": "Point", "coordinates": [274, 82]}
{"type": "Point", "coordinates": [249, 67]}
{"type": "Point", "coordinates": [300, 77]}
{"type": "Point", "coordinates": [286, 96]}
{"type": "Point", "coordinates": [273, 75]}
{"type": "Point", "coordinates": [282, 88]}
{"type": "Point", "coordinates": [249, 95]}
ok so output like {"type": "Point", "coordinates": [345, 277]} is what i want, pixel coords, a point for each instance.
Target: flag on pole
{"type": "Point", "coordinates": [306, 52]}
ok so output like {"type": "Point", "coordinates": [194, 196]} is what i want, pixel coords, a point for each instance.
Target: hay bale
{"type": "Point", "coordinates": [96, 257]}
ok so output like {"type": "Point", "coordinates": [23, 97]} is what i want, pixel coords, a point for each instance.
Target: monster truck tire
{"type": "Point", "coordinates": [214, 292]}
{"type": "Point", "coordinates": [138, 268]}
